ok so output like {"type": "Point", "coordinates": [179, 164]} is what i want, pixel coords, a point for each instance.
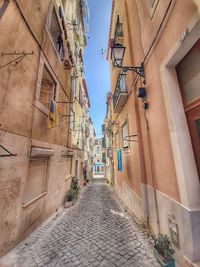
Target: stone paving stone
{"type": "Point", "coordinates": [92, 233]}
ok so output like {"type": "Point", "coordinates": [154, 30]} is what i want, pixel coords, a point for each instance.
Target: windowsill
{"type": "Point", "coordinates": [34, 200]}
{"type": "Point", "coordinates": [41, 107]}
{"type": "Point", "coordinates": [68, 177]}
{"type": "Point", "coordinates": [126, 150]}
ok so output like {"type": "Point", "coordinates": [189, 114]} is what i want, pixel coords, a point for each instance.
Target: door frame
{"type": "Point", "coordinates": [190, 114]}
{"type": "Point", "coordinates": [185, 165]}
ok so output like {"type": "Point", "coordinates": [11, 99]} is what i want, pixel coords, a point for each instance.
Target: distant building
{"type": "Point", "coordinates": [108, 145]}
{"type": "Point", "coordinates": [99, 165]}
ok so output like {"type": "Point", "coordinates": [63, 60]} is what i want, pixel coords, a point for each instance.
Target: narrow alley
{"type": "Point", "coordinates": [95, 232]}
{"type": "Point", "coordinates": [100, 133]}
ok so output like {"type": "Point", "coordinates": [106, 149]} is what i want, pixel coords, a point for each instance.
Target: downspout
{"type": "Point", "coordinates": [140, 144]}
{"type": "Point", "coordinates": [146, 120]}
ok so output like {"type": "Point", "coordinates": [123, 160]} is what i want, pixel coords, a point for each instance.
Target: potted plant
{"type": "Point", "coordinates": [72, 193]}
{"type": "Point", "coordinates": [163, 250]}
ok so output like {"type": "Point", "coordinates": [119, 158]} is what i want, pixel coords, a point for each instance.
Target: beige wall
{"type": "Point", "coordinates": [23, 122]}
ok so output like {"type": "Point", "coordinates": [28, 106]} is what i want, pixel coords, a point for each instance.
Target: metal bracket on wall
{"type": "Point", "coordinates": [10, 154]}
{"type": "Point", "coordinates": [67, 115]}
{"type": "Point", "coordinates": [130, 138]}
{"type": "Point", "coordinates": [20, 57]}
{"type": "Point", "coordinates": [67, 102]}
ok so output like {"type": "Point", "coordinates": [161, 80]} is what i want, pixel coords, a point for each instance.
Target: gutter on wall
{"type": "Point", "coordinates": [141, 152]}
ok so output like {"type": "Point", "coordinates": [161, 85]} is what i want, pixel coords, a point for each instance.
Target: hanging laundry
{"type": "Point", "coordinates": [53, 115]}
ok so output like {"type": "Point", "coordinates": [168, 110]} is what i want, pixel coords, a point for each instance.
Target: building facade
{"type": "Point", "coordinates": [41, 94]}
{"type": "Point", "coordinates": [109, 148]}
{"type": "Point", "coordinates": [90, 148]}
{"type": "Point", "coordinates": [99, 165]}
{"type": "Point", "coordinates": [156, 115]}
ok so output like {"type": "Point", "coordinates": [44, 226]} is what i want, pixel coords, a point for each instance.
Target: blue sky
{"type": "Point", "coordinates": [97, 73]}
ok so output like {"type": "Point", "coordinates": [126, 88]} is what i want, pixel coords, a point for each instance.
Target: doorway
{"type": "Point", "coordinates": [193, 118]}
{"type": "Point", "coordinates": [188, 72]}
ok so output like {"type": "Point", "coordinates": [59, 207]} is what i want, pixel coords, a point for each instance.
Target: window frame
{"type": "Point", "coordinates": [54, 8]}
{"type": "Point", "coordinates": [73, 84]}
{"type": "Point", "coordinates": [3, 7]}
{"type": "Point", "coordinates": [123, 141]}
{"type": "Point", "coordinates": [117, 140]}
{"type": "Point", "coordinates": [54, 86]}
{"type": "Point", "coordinates": [45, 181]}
{"type": "Point", "coordinates": [72, 123]}
{"type": "Point", "coordinates": [64, 4]}
{"type": "Point", "coordinates": [152, 8]}
{"type": "Point", "coordinates": [43, 62]}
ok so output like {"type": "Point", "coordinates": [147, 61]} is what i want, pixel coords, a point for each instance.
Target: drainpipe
{"type": "Point", "coordinates": [140, 144]}
{"type": "Point", "coordinates": [147, 124]}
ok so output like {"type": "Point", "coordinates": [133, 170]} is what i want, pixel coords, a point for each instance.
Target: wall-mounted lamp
{"type": "Point", "coordinates": [117, 56]}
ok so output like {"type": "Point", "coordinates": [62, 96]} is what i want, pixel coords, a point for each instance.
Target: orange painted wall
{"type": "Point", "coordinates": [140, 29]}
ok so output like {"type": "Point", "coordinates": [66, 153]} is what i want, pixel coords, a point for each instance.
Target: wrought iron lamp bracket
{"type": "Point", "coordinates": [137, 70]}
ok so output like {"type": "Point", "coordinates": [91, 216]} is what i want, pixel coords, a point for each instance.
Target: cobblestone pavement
{"type": "Point", "coordinates": [95, 232]}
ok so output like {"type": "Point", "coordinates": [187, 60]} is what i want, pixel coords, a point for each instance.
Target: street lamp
{"type": "Point", "coordinates": [117, 56]}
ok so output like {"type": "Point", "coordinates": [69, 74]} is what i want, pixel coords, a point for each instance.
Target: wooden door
{"type": "Point", "coordinates": [188, 72]}
{"type": "Point", "coordinates": [193, 118]}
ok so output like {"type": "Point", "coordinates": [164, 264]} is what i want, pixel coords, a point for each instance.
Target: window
{"type": "Point", "coordinates": [98, 150]}
{"type": "Point", "coordinates": [102, 168]}
{"type": "Point", "coordinates": [80, 96]}
{"type": "Point", "coordinates": [48, 88]}
{"type": "Point", "coordinates": [118, 38]}
{"type": "Point", "coordinates": [56, 34]}
{"type": "Point", "coordinates": [152, 2]}
{"type": "Point", "coordinates": [3, 5]}
{"type": "Point", "coordinates": [117, 140]}
{"type": "Point", "coordinates": [98, 168]}
{"type": "Point", "coordinates": [64, 3]}
{"type": "Point", "coordinates": [36, 180]}
{"type": "Point", "coordinates": [73, 84]}
{"type": "Point", "coordinates": [189, 77]}
{"type": "Point", "coordinates": [124, 134]}
{"type": "Point", "coordinates": [72, 120]}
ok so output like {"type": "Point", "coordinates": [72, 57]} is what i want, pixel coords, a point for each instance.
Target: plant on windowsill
{"type": "Point", "coordinates": [163, 250]}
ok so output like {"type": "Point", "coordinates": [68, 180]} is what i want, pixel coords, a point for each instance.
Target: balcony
{"type": "Point", "coordinates": [120, 94]}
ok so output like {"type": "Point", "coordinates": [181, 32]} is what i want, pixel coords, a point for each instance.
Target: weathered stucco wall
{"type": "Point", "coordinates": [23, 123]}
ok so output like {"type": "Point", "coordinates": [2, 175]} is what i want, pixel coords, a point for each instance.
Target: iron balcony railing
{"type": "Point", "coordinates": [119, 89]}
